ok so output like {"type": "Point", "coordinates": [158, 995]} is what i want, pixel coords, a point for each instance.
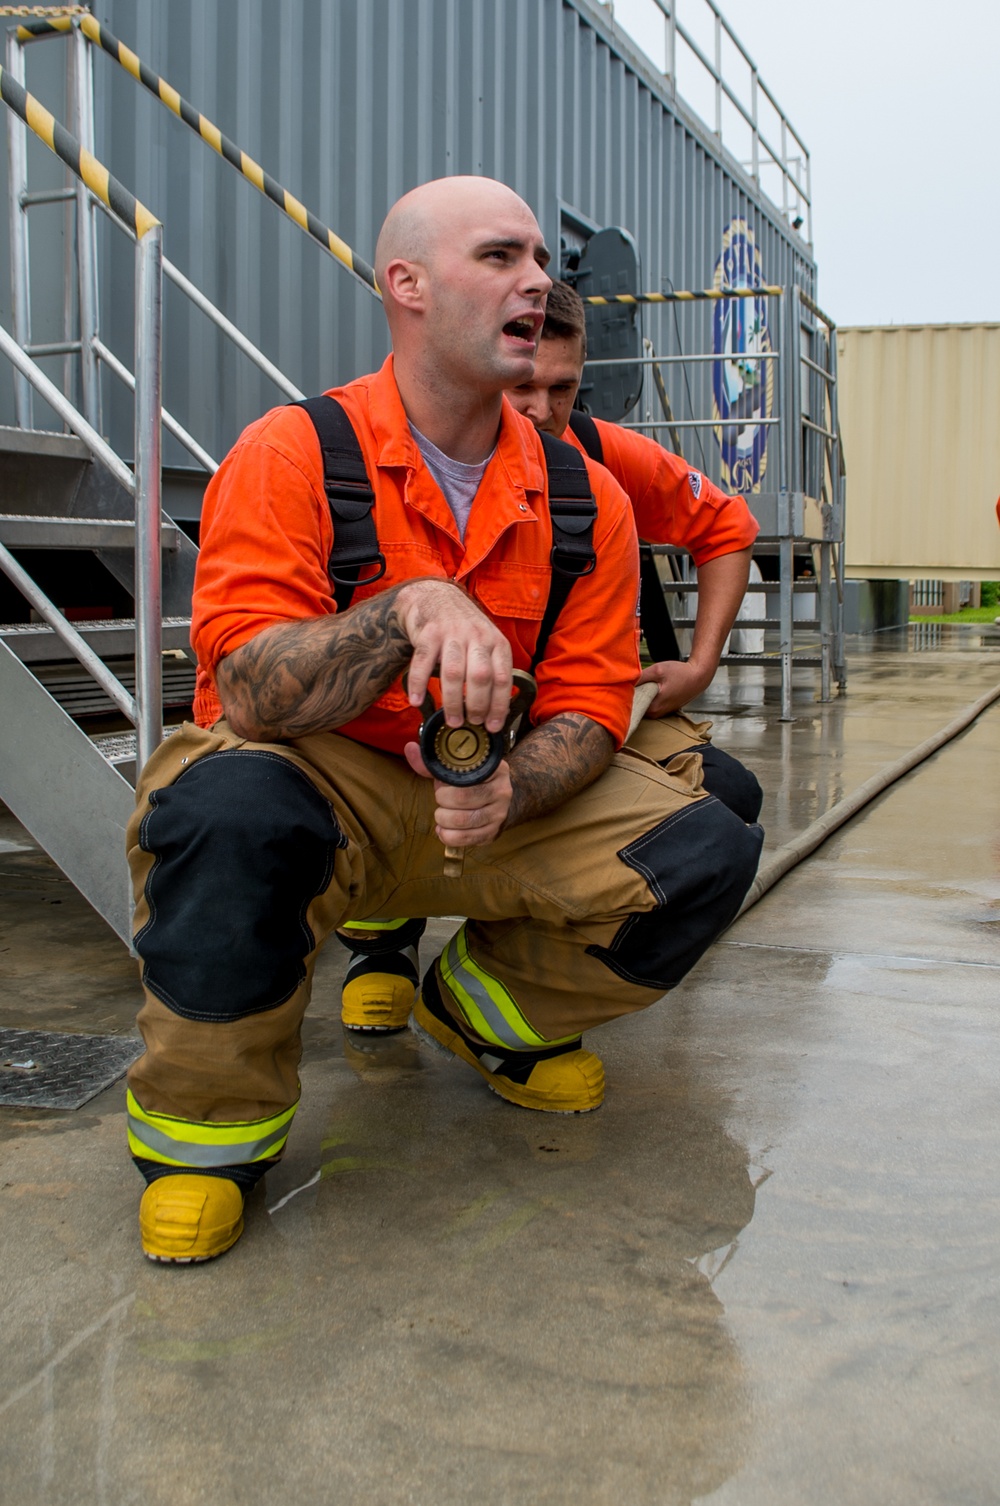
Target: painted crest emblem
{"type": "Point", "coordinates": [742, 383]}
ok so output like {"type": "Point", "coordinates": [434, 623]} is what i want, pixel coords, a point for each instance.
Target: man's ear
{"type": "Point", "coordinates": [406, 284]}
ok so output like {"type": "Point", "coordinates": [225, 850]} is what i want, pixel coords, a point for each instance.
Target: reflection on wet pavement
{"type": "Point", "coordinates": [765, 1271]}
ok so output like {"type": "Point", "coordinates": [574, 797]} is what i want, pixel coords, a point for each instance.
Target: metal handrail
{"type": "Point", "coordinates": [689, 423]}
{"type": "Point", "coordinates": [763, 355]}
{"type": "Point", "coordinates": [71, 416]}
{"type": "Point", "coordinates": [171, 424]}
{"type": "Point", "coordinates": [683, 295]}
{"type": "Point", "coordinates": [244, 164]}
{"type": "Point", "coordinates": [815, 309]}
{"type": "Point", "coordinates": [146, 483]}
{"type": "Point", "coordinates": [781, 159]}
{"type": "Point", "coordinates": [242, 342]}
{"type": "Point", "coordinates": [82, 163]}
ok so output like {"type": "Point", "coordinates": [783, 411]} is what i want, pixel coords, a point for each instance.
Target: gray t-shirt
{"type": "Point", "coordinates": [458, 482]}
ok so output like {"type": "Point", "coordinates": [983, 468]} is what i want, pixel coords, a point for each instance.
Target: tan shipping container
{"type": "Point", "coordinates": [920, 418]}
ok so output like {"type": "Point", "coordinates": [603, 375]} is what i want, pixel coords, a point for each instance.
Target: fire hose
{"type": "Point", "coordinates": [793, 852]}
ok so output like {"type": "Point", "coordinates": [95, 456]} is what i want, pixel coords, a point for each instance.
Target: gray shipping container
{"type": "Point", "coordinates": [349, 103]}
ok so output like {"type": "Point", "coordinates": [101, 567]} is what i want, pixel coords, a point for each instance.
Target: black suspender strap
{"type": "Point", "coordinates": [587, 433]}
{"type": "Point", "coordinates": [573, 512]}
{"type": "Point", "coordinates": [654, 614]}
{"type": "Point", "coordinates": [355, 559]}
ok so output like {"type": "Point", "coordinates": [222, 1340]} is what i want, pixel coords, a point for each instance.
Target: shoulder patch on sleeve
{"type": "Point", "coordinates": [695, 478]}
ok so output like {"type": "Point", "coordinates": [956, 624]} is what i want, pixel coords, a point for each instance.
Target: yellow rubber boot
{"type": "Point", "coordinates": [561, 1080]}
{"type": "Point", "coordinates": [187, 1218]}
{"type": "Point", "coordinates": [381, 979]}
{"type": "Point", "coordinates": [377, 1002]}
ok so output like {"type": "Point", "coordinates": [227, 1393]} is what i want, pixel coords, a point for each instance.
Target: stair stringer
{"type": "Point", "coordinates": [65, 793]}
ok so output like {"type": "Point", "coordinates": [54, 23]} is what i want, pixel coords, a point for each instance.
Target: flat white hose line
{"type": "Point", "coordinates": [807, 841]}
{"type": "Point", "coordinates": [643, 697]}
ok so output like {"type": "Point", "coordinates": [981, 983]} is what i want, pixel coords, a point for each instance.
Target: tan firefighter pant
{"type": "Point", "coordinates": [245, 856]}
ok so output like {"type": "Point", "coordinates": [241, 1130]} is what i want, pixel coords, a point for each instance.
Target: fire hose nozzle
{"type": "Point", "coordinates": [469, 754]}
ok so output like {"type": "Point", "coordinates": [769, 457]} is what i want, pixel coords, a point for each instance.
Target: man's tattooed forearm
{"type": "Point", "coordinates": [303, 677]}
{"type": "Point", "coordinates": [556, 761]}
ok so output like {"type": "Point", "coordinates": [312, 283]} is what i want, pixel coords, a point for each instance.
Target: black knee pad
{"type": "Point", "coordinates": [243, 842]}
{"type": "Point", "coordinates": [699, 864]}
{"type": "Point", "coordinates": [729, 781]}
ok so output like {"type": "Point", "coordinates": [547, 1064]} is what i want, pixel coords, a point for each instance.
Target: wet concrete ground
{"type": "Point", "coordinates": [766, 1271]}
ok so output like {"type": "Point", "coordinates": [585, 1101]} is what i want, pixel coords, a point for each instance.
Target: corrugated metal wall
{"type": "Point", "coordinates": [918, 409]}
{"type": "Point", "coordinates": [351, 102]}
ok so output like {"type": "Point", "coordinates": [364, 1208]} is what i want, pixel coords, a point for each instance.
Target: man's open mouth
{"type": "Point", "coordinates": [521, 329]}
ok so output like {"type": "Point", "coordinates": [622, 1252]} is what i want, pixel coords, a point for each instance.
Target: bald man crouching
{"type": "Point", "coordinates": [593, 880]}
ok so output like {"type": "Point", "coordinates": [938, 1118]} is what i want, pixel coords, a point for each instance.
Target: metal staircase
{"type": "Point", "coordinates": [83, 702]}
{"type": "Point", "coordinates": [64, 780]}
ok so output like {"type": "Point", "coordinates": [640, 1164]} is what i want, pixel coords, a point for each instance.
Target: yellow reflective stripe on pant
{"type": "Point", "coordinates": [488, 1007]}
{"type": "Point", "coordinates": [374, 925]}
{"type": "Point", "coordinates": [183, 1142]}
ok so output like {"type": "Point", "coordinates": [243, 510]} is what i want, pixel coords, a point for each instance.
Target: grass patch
{"type": "Point", "coordinates": [967, 614]}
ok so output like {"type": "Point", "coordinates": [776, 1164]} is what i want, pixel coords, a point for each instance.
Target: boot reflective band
{"type": "Point", "coordinates": [374, 925]}
{"type": "Point", "coordinates": [487, 1006]}
{"type": "Point", "coordinates": [184, 1142]}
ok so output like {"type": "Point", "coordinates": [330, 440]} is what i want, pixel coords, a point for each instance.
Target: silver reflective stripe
{"type": "Point", "coordinates": [361, 959]}
{"type": "Point", "coordinates": [500, 1026]}
{"type": "Point", "coordinates": [192, 1154]}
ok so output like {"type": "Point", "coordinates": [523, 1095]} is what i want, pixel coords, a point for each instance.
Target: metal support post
{"type": "Point", "coordinates": [86, 231]}
{"type": "Point", "coordinates": [672, 46]}
{"type": "Point", "coordinates": [786, 565]}
{"type": "Point", "coordinates": [718, 75]}
{"type": "Point", "coordinates": [825, 616]}
{"type": "Point", "coordinates": [788, 471]}
{"type": "Point", "coordinates": [838, 485]}
{"type": "Point", "coordinates": [17, 187]}
{"type": "Point", "coordinates": [756, 126]}
{"type": "Point", "coordinates": [148, 571]}
{"type": "Point", "coordinates": [70, 382]}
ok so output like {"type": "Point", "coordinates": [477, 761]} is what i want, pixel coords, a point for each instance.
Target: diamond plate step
{"type": "Point", "coordinates": [41, 1069]}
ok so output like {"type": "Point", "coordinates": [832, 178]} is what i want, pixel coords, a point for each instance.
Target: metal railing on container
{"type": "Point", "coordinates": [791, 158]}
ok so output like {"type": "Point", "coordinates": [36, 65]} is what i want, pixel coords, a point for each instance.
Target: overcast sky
{"type": "Point", "coordinates": [898, 102]}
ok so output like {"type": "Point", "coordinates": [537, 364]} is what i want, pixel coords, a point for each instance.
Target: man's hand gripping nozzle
{"type": "Point", "coordinates": [469, 754]}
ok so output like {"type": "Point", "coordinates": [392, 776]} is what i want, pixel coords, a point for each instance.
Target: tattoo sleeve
{"type": "Point", "coordinates": [301, 677]}
{"type": "Point", "coordinates": [555, 761]}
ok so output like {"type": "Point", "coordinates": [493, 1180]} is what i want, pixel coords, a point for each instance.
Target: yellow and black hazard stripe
{"type": "Point", "coordinates": [40, 11]}
{"type": "Point", "coordinates": [814, 308]}
{"type": "Point", "coordinates": [766, 290]}
{"type": "Point", "coordinates": [86, 166]}
{"type": "Point", "coordinates": [234, 155]}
